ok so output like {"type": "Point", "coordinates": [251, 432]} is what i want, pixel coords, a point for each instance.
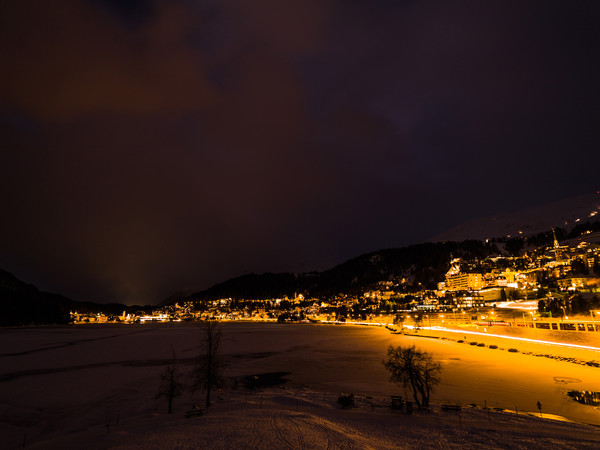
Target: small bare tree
{"type": "Point", "coordinates": [209, 372]}
{"type": "Point", "coordinates": [415, 368]}
{"type": "Point", "coordinates": [170, 387]}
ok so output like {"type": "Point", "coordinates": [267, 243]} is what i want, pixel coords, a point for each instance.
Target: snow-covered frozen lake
{"type": "Point", "coordinates": [57, 381]}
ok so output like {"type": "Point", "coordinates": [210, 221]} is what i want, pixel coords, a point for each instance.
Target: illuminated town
{"type": "Point", "coordinates": [553, 287]}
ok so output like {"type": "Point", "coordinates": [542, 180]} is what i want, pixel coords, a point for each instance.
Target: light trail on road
{"type": "Point", "coordinates": [477, 333]}
{"type": "Point", "coordinates": [536, 341]}
{"type": "Point", "coordinates": [520, 306]}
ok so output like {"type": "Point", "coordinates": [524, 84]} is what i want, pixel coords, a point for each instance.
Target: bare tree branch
{"type": "Point", "coordinates": [170, 387]}
{"type": "Point", "coordinates": [415, 368]}
{"type": "Point", "coordinates": [209, 371]}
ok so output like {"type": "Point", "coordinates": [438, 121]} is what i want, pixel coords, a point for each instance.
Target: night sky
{"type": "Point", "coordinates": [153, 146]}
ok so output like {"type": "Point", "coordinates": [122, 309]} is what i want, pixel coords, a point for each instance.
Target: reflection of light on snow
{"type": "Point", "coordinates": [531, 305]}
{"type": "Point", "coordinates": [375, 324]}
{"type": "Point", "coordinates": [535, 341]}
{"type": "Point", "coordinates": [547, 416]}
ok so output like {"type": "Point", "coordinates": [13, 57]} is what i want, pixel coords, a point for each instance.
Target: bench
{"type": "Point", "coordinates": [450, 407]}
{"type": "Point", "coordinates": [194, 412]}
{"type": "Point", "coordinates": [396, 405]}
{"type": "Point", "coordinates": [397, 402]}
{"type": "Point", "coordinates": [378, 405]}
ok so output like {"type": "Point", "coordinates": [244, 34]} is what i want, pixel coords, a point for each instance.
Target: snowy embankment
{"type": "Point", "coordinates": [94, 387]}
{"type": "Point", "coordinates": [287, 418]}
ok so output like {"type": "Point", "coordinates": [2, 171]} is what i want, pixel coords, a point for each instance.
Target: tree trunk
{"type": "Point", "coordinates": [416, 396]}
{"type": "Point", "coordinates": [426, 398]}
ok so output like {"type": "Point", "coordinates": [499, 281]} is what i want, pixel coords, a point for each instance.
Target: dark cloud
{"type": "Point", "coordinates": [73, 59]}
{"type": "Point", "coordinates": [153, 146]}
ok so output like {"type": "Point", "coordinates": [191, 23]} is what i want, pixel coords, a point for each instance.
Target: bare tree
{"type": "Point", "coordinates": [209, 372]}
{"type": "Point", "coordinates": [415, 368]}
{"type": "Point", "coordinates": [170, 387]}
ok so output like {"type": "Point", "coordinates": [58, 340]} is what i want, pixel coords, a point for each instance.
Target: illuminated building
{"type": "Point", "coordinates": [464, 282]}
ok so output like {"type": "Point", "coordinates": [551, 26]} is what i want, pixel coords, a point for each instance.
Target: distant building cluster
{"type": "Point", "coordinates": [563, 280]}
{"type": "Point", "coordinates": [557, 269]}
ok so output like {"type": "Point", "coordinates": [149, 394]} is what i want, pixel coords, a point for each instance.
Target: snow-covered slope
{"type": "Point", "coordinates": [563, 213]}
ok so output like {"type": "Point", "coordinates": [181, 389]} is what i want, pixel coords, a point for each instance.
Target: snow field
{"type": "Point", "coordinates": [60, 387]}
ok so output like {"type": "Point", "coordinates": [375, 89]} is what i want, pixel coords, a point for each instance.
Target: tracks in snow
{"type": "Point", "coordinates": [283, 427]}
